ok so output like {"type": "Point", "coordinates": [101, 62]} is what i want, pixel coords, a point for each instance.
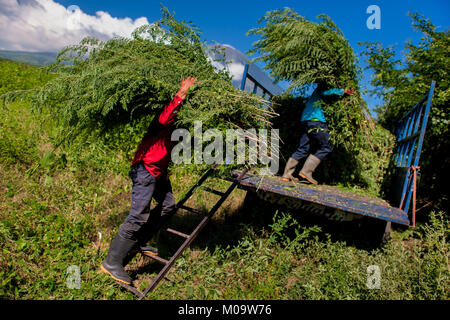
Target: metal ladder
{"type": "Point", "coordinates": [188, 237]}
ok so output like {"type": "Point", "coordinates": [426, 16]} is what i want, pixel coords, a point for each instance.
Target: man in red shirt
{"type": "Point", "coordinates": [150, 180]}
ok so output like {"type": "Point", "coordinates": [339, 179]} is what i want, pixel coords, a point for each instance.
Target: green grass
{"type": "Point", "coordinates": [19, 76]}
{"type": "Point", "coordinates": [51, 219]}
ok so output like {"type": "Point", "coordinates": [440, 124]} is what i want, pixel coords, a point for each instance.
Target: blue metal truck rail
{"type": "Point", "coordinates": [410, 133]}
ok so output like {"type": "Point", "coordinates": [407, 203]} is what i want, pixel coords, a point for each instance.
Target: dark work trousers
{"type": "Point", "coordinates": [141, 223]}
{"type": "Point", "coordinates": [313, 131]}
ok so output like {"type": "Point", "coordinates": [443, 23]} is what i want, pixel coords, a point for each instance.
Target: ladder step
{"type": "Point", "coordinates": [178, 233]}
{"type": "Point", "coordinates": [192, 210]}
{"type": "Point", "coordinates": [130, 288]}
{"type": "Point", "coordinates": [155, 257]}
{"type": "Point", "coordinates": [219, 193]}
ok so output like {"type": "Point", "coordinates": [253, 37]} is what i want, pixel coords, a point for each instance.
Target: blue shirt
{"type": "Point", "coordinates": [313, 109]}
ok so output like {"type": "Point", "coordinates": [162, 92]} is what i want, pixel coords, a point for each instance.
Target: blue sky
{"type": "Point", "coordinates": [228, 21]}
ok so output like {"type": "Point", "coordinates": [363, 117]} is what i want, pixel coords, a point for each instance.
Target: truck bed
{"type": "Point", "coordinates": [327, 200]}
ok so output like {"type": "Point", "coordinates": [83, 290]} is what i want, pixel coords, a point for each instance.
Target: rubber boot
{"type": "Point", "coordinates": [289, 170]}
{"type": "Point", "coordinates": [309, 167]}
{"type": "Point", "coordinates": [149, 250]}
{"type": "Point", "coordinates": [114, 262]}
{"type": "Point", "coordinates": [144, 236]}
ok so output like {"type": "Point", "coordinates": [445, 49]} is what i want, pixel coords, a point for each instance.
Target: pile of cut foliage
{"type": "Point", "coordinates": [113, 89]}
{"type": "Point", "coordinates": [303, 52]}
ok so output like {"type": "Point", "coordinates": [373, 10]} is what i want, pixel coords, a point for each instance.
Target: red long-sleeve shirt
{"type": "Point", "coordinates": [156, 146]}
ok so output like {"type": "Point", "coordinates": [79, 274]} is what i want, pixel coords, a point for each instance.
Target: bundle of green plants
{"type": "Point", "coordinates": [304, 53]}
{"type": "Point", "coordinates": [112, 89]}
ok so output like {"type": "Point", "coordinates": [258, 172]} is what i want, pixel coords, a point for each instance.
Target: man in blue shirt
{"type": "Point", "coordinates": [313, 126]}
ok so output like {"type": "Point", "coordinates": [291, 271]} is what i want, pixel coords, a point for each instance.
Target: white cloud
{"type": "Point", "coordinates": [236, 70]}
{"type": "Point", "coordinates": [44, 25]}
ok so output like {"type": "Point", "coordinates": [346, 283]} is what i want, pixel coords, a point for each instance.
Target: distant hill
{"type": "Point", "coordinates": [33, 58]}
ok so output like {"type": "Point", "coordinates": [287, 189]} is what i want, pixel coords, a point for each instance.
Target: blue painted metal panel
{"type": "Point", "coordinates": [410, 134]}
{"type": "Point", "coordinates": [262, 80]}
{"type": "Point", "coordinates": [244, 77]}
{"type": "Point", "coordinates": [240, 68]}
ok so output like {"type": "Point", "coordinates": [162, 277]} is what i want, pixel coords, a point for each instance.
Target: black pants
{"type": "Point", "coordinates": [141, 223]}
{"type": "Point", "coordinates": [313, 131]}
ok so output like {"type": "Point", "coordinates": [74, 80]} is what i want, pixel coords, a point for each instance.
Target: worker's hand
{"type": "Point", "coordinates": [185, 85]}
{"type": "Point", "coordinates": [349, 92]}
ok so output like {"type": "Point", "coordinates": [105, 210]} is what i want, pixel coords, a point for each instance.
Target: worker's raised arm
{"type": "Point", "coordinates": [168, 115]}
{"type": "Point", "coordinates": [333, 92]}
{"type": "Point", "coordinates": [185, 85]}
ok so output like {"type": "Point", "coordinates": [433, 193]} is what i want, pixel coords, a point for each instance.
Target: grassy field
{"type": "Point", "coordinates": [61, 208]}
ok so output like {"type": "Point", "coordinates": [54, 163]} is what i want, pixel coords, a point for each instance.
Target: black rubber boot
{"type": "Point", "coordinates": [146, 250]}
{"type": "Point", "coordinates": [149, 250]}
{"type": "Point", "coordinates": [114, 262]}
{"type": "Point", "coordinates": [148, 231]}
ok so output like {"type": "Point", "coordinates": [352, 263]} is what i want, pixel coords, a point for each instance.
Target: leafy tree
{"type": "Point", "coordinates": [402, 82]}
